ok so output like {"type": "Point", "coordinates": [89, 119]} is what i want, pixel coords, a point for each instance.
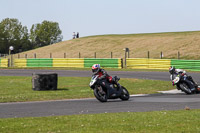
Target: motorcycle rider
{"type": "Point", "coordinates": [96, 69]}
{"type": "Point", "coordinates": [174, 72]}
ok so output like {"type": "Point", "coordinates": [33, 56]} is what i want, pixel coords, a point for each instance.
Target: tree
{"type": "Point", "coordinates": [13, 34]}
{"type": "Point", "coordinates": [45, 34]}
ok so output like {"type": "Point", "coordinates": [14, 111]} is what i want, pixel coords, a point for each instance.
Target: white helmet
{"type": "Point", "coordinates": [95, 68]}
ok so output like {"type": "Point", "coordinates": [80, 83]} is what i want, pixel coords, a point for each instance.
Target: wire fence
{"type": "Point", "coordinates": [131, 54]}
{"type": "Point", "coordinates": [3, 55]}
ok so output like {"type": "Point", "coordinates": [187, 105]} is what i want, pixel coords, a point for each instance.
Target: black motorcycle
{"type": "Point", "coordinates": [104, 90]}
{"type": "Point", "coordinates": [184, 83]}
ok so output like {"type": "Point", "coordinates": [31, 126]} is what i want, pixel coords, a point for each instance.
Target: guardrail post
{"type": "Point", "coordinates": [122, 62]}
{"type": "Point", "coordinates": [125, 59]}
{"type": "Point", "coordinates": [11, 60]}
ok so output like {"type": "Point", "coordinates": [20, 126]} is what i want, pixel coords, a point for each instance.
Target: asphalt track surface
{"type": "Point", "coordinates": [154, 102]}
{"type": "Point", "coordinates": [74, 73]}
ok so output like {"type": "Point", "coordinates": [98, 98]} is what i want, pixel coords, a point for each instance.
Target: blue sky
{"type": "Point", "coordinates": [98, 17]}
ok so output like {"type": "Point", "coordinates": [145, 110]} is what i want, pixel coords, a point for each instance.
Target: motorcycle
{"type": "Point", "coordinates": [184, 83]}
{"type": "Point", "coordinates": [104, 90]}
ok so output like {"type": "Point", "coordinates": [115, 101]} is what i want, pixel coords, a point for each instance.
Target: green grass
{"type": "Point", "coordinates": [183, 121]}
{"type": "Point", "coordinates": [19, 89]}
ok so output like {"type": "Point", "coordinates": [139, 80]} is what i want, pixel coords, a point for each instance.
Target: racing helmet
{"type": "Point", "coordinates": [95, 68]}
{"type": "Point", "coordinates": [171, 69]}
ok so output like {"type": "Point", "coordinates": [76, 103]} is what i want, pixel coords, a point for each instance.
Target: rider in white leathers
{"type": "Point", "coordinates": [174, 72]}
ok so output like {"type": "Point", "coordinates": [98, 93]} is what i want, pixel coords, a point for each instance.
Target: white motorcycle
{"type": "Point", "coordinates": [183, 83]}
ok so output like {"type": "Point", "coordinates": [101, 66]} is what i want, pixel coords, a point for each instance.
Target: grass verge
{"type": "Point", "coordinates": [131, 122]}
{"type": "Point", "coordinates": [19, 89]}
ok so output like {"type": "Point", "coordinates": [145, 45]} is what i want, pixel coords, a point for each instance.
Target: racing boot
{"type": "Point", "coordinates": [198, 89]}
{"type": "Point", "coordinates": [118, 86]}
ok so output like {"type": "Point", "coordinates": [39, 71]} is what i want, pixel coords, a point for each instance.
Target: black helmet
{"type": "Point", "coordinates": [171, 69]}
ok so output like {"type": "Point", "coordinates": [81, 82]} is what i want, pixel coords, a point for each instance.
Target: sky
{"type": "Point", "coordinates": [99, 17]}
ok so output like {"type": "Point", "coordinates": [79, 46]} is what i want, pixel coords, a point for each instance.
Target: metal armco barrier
{"type": "Point", "coordinates": [39, 62]}
{"type": "Point", "coordinates": [20, 62]}
{"type": "Point", "coordinates": [193, 65]}
{"type": "Point", "coordinates": [68, 62]}
{"type": "Point", "coordinates": [107, 63]}
{"type": "Point", "coordinates": [137, 63]}
{"type": "Point", "coordinates": [77, 63]}
{"type": "Point", "coordinates": [3, 62]}
{"type": "Point", "coordinates": [132, 63]}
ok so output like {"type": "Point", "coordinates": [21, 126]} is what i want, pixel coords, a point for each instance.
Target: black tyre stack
{"type": "Point", "coordinates": [44, 81]}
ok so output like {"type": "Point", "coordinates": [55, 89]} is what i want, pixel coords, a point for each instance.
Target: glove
{"type": "Point", "coordinates": [116, 79]}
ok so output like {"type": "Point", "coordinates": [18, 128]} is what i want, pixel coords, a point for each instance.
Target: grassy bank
{"type": "Point", "coordinates": [18, 89]}
{"type": "Point", "coordinates": [183, 121]}
{"type": "Point", "coordinates": [187, 43]}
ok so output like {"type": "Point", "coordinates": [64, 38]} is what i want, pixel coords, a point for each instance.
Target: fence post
{"type": "Point", "coordinates": [111, 56]}
{"type": "Point", "coordinates": [35, 55]}
{"type": "Point", "coordinates": [26, 55]}
{"type": "Point", "coordinates": [18, 56]}
{"type": "Point", "coordinates": [79, 55]}
{"type": "Point", "coordinates": [64, 55]}
{"type": "Point", "coordinates": [161, 55]}
{"type": "Point", "coordinates": [50, 55]}
{"type": "Point", "coordinates": [95, 55]}
{"type": "Point", "coordinates": [178, 55]}
{"type": "Point", "coordinates": [148, 54]}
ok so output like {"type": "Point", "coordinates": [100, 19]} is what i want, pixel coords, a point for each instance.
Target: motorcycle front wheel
{"type": "Point", "coordinates": [125, 94]}
{"type": "Point", "coordinates": [184, 87]}
{"type": "Point", "coordinates": [100, 94]}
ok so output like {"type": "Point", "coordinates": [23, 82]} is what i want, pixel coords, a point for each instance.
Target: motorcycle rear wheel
{"type": "Point", "coordinates": [125, 94]}
{"type": "Point", "coordinates": [184, 87]}
{"type": "Point", "coordinates": [100, 94]}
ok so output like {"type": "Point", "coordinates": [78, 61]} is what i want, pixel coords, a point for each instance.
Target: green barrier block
{"type": "Point", "coordinates": [39, 62]}
{"type": "Point", "coordinates": [109, 63]}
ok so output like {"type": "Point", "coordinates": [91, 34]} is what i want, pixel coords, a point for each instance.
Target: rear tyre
{"type": "Point", "coordinates": [125, 94]}
{"type": "Point", "coordinates": [184, 87]}
{"type": "Point", "coordinates": [100, 94]}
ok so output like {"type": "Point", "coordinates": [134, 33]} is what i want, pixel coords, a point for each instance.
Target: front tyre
{"type": "Point", "coordinates": [100, 94]}
{"type": "Point", "coordinates": [184, 87]}
{"type": "Point", "coordinates": [125, 94]}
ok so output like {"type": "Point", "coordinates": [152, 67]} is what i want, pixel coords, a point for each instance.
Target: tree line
{"type": "Point", "coordinates": [13, 33]}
